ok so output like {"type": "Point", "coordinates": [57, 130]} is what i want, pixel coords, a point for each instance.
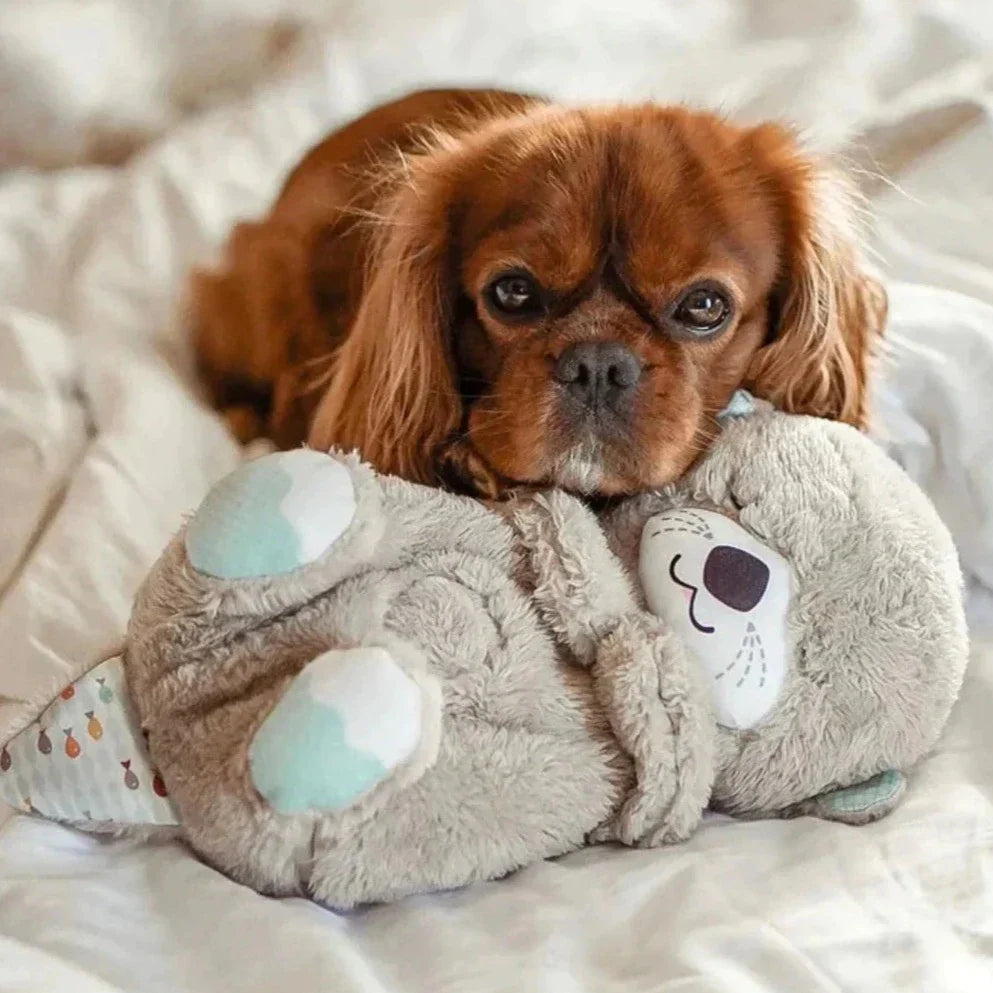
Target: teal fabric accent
{"type": "Point", "coordinates": [239, 531]}
{"type": "Point", "coordinates": [300, 760]}
{"type": "Point", "coordinates": [878, 791]}
{"type": "Point", "coordinates": [92, 742]}
{"type": "Point", "coordinates": [741, 404]}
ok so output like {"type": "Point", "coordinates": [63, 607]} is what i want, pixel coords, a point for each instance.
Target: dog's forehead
{"type": "Point", "coordinates": [668, 195]}
{"type": "Point", "coordinates": [696, 198]}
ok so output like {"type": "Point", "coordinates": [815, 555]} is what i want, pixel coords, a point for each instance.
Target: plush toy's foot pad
{"type": "Point", "coordinates": [861, 803]}
{"type": "Point", "coordinates": [271, 515]}
{"type": "Point", "coordinates": [347, 722]}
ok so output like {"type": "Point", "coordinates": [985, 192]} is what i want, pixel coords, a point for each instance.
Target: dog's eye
{"type": "Point", "coordinates": [515, 294]}
{"type": "Point", "coordinates": [702, 310]}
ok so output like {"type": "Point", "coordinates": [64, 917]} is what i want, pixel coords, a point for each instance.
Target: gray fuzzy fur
{"type": "Point", "coordinates": [566, 712]}
{"type": "Point", "coordinates": [877, 624]}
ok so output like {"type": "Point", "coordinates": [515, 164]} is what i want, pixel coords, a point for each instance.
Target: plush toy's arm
{"type": "Point", "coordinates": [581, 588]}
{"type": "Point", "coordinates": [659, 710]}
{"type": "Point", "coordinates": [652, 694]}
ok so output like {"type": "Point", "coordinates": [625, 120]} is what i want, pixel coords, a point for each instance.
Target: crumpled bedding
{"type": "Point", "coordinates": [105, 443]}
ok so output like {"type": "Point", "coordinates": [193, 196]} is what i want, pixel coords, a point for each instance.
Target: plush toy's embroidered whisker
{"type": "Point", "coordinates": [731, 664]}
{"type": "Point", "coordinates": [753, 642]}
{"type": "Point", "coordinates": [695, 520]}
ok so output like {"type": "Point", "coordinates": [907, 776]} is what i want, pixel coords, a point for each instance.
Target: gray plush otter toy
{"type": "Point", "coordinates": [358, 688]}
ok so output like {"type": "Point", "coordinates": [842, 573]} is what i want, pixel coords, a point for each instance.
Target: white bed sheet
{"type": "Point", "coordinates": [104, 445]}
{"type": "Point", "coordinates": [789, 906]}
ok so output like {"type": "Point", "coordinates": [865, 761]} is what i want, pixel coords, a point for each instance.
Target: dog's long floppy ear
{"type": "Point", "coordinates": [393, 392]}
{"type": "Point", "coordinates": [828, 316]}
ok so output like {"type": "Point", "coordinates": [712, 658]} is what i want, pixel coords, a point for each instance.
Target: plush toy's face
{"type": "Point", "coordinates": [727, 595]}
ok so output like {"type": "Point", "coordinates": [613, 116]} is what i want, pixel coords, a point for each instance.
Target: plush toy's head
{"type": "Point", "coordinates": [728, 595]}
{"type": "Point", "coordinates": [821, 596]}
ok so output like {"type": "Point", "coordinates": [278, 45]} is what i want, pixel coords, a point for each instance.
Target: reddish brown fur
{"type": "Point", "coordinates": [602, 206]}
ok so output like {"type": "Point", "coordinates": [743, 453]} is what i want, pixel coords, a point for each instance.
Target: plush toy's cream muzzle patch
{"type": "Point", "coordinates": [727, 595]}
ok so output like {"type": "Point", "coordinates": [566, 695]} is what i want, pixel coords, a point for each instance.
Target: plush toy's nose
{"type": "Point", "coordinates": [735, 577]}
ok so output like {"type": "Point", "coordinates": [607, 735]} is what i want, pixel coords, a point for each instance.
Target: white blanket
{"type": "Point", "coordinates": [104, 445]}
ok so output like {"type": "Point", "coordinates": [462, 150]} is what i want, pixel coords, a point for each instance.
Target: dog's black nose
{"type": "Point", "coordinates": [735, 577]}
{"type": "Point", "coordinates": [598, 373]}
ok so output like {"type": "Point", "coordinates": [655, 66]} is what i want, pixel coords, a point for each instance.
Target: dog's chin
{"type": "Point", "coordinates": [581, 469]}
{"type": "Point", "coordinates": [588, 465]}
{"type": "Point", "coordinates": [591, 469]}
{"type": "Point", "coordinates": [608, 456]}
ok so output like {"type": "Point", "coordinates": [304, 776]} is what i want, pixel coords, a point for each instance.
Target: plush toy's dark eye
{"type": "Point", "coordinates": [702, 310]}
{"type": "Point", "coordinates": [515, 294]}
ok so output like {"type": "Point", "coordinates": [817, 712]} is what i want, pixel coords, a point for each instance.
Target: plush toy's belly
{"type": "Point", "coordinates": [486, 643]}
{"type": "Point", "coordinates": [525, 767]}
{"type": "Point", "coordinates": [498, 798]}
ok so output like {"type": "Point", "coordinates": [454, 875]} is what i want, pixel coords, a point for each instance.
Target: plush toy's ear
{"type": "Point", "coordinates": [862, 803]}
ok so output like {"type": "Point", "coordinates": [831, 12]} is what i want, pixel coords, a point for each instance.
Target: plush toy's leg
{"type": "Point", "coordinates": [653, 696]}
{"type": "Point", "coordinates": [353, 726]}
{"type": "Point", "coordinates": [283, 528]}
{"type": "Point", "coordinates": [272, 515]}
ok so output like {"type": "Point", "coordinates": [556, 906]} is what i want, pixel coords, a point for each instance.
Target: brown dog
{"type": "Point", "coordinates": [488, 290]}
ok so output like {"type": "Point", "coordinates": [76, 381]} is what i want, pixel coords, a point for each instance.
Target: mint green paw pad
{"type": "Point", "coordinates": [345, 724]}
{"type": "Point", "coordinates": [271, 516]}
{"type": "Point", "coordinates": [863, 802]}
